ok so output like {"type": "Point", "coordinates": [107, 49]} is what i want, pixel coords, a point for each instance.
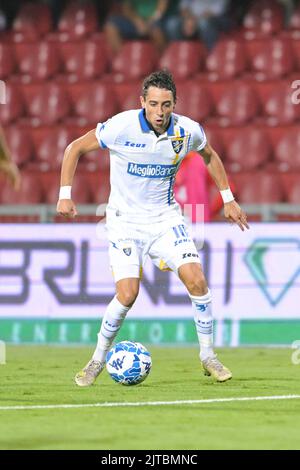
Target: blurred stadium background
{"type": "Point", "coordinates": [61, 79]}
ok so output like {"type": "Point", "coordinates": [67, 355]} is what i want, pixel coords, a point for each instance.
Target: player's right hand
{"type": "Point", "coordinates": [234, 214]}
{"type": "Point", "coordinates": [67, 208]}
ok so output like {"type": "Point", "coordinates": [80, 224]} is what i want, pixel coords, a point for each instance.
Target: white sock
{"type": "Point", "coordinates": [111, 323]}
{"type": "Point", "coordinates": [202, 307]}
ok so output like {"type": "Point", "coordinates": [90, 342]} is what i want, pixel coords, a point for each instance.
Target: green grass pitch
{"type": "Point", "coordinates": [40, 375]}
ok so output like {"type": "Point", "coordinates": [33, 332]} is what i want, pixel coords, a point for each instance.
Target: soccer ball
{"type": "Point", "coordinates": [128, 363]}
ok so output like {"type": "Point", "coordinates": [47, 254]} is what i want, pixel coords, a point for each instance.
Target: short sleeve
{"type": "Point", "coordinates": [199, 138]}
{"type": "Point", "coordinates": [106, 133]}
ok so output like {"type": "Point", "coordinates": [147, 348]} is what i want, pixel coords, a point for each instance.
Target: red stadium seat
{"type": "Point", "coordinates": [227, 60]}
{"type": "Point", "coordinates": [291, 186]}
{"type": "Point", "coordinates": [81, 193]}
{"type": "Point", "coordinates": [14, 106]}
{"type": "Point", "coordinates": [96, 160]}
{"type": "Point", "coordinates": [83, 60]}
{"type": "Point", "coordinates": [37, 62]}
{"type": "Point", "coordinates": [279, 107]}
{"type": "Point", "coordinates": [287, 152]}
{"type": "Point", "coordinates": [275, 135]}
{"type": "Point", "coordinates": [237, 105]}
{"type": "Point", "coordinates": [7, 60]}
{"type": "Point", "coordinates": [78, 20]}
{"type": "Point", "coordinates": [46, 104]}
{"type": "Point", "coordinates": [248, 149]}
{"type": "Point", "coordinates": [135, 60]}
{"type": "Point", "coordinates": [29, 193]}
{"type": "Point", "coordinates": [32, 21]}
{"type": "Point", "coordinates": [183, 58]}
{"type": "Point", "coordinates": [215, 139]}
{"type": "Point", "coordinates": [265, 89]}
{"type": "Point", "coordinates": [257, 187]}
{"type": "Point", "coordinates": [128, 95]}
{"type": "Point", "coordinates": [49, 146]}
{"type": "Point", "coordinates": [193, 100]}
{"type": "Point", "coordinates": [294, 23]}
{"type": "Point", "coordinates": [265, 18]}
{"type": "Point", "coordinates": [92, 103]}
{"type": "Point", "coordinates": [271, 59]}
{"type": "Point", "coordinates": [254, 48]}
{"type": "Point", "coordinates": [100, 186]}
{"type": "Point", "coordinates": [20, 144]}
{"type": "Point", "coordinates": [296, 51]}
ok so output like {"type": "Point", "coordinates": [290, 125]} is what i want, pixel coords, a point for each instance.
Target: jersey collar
{"type": "Point", "coordinates": [146, 127]}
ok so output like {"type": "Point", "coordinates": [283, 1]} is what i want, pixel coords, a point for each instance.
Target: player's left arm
{"type": "Point", "coordinates": [232, 210]}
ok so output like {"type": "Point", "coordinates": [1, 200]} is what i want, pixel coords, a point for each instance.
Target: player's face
{"type": "Point", "coordinates": [159, 105]}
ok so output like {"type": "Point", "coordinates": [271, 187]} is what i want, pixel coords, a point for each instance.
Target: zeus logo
{"type": "Point", "coordinates": [182, 240]}
{"type": "Point", "coordinates": [133, 144]}
{"type": "Point", "coordinates": [189, 255]}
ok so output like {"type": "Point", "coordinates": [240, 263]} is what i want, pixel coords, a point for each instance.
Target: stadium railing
{"type": "Point", "coordinates": [46, 213]}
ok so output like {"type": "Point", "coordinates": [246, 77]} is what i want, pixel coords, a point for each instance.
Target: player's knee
{"type": "Point", "coordinates": [193, 278]}
{"type": "Point", "coordinates": [128, 297]}
{"type": "Point", "coordinates": [197, 284]}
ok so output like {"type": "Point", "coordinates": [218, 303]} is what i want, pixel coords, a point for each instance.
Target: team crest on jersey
{"type": "Point", "coordinates": [127, 251]}
{"type": "Point", "coordinates": [177, 144]}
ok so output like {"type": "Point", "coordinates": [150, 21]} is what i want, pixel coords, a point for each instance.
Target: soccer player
{"type": "Point", "coordinates": [143, 218]}
{"type": "Point", "coordinates": [7, 167]}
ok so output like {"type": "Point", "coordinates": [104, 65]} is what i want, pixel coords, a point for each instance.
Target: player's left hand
{"type": "Point", "coordinates": [11, 170]}
{"type": "Point", "coordinates": [234, 214]}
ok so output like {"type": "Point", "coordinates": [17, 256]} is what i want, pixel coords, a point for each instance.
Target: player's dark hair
{"type": "Point", "coordinates": [159, 79]}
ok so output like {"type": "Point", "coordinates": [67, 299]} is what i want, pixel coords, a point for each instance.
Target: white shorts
{"type": "Point", "coordinates": [166, 242]}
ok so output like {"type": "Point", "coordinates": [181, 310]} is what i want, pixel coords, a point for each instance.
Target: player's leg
{"type": "Point", "coordinates": [193, 278]}
{"type": "Point", "coordinates": [125, 263]}
{"type": "Point", "coordinates": [126, 292]}
{"type": "Point", "coordinates": [177, 250]}
{"type": "Point", "coordinates": [115, 313]}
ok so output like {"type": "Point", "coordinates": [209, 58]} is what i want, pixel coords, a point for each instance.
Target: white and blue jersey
{"type": "Point", "coordinates": [143, 166]}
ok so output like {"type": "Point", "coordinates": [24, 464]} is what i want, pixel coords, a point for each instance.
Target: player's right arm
{"type": "Point", "coordinates": [7, 166]}
{"type": "Point", "coordinates": [74, 150]}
